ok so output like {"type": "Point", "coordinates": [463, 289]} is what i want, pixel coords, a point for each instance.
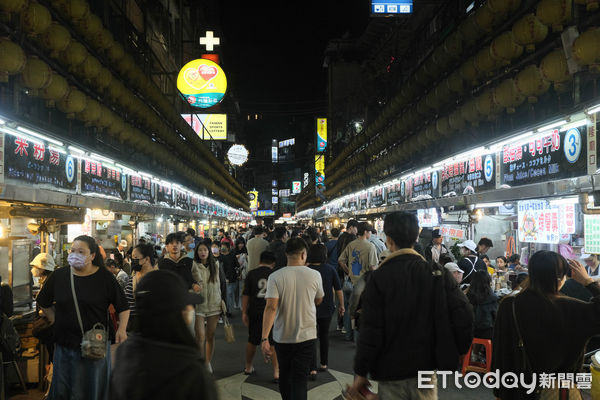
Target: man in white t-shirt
{"type": "Point", "coordinates": [256, 246]}
{"type": "Point", "coordinates": [293, 292]}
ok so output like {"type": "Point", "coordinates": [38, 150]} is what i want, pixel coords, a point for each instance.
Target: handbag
{"type": "Point", "coordinates": [93, 342]}
{"type": "Point", "coordinates": [42, 329]}
{"type": "Point", "coordinates": [553, 393]}
{"type": "Point", "coordinates": [229, 334]}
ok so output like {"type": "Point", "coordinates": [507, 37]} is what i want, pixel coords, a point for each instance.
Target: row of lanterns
{"type": "Point", "coordinates": [528, 84]}
{"type": "Point", "coordinates": [36, 20]}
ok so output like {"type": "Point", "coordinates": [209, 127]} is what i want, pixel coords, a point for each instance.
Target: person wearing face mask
{"type": "Point", "coordinates": [160, 360]}
{"type": "Point", "coordinates": [229, 263]}
{"type": "Point", "coordinates": [142, 262]}
{"type": "Point", "coordinates": [96, 288]}
{"type": "Point", "coordinates": [189, 244]}
{"type": "Point", "coordinates": [206, 273]}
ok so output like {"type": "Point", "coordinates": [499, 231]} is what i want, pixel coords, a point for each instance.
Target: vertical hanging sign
{"type": "Point", "coordinates": [591, 142]}
{"type": "Point", "coordinates": [321, 134]}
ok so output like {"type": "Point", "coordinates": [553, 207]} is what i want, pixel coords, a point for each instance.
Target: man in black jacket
{"type": "Point", "coordinates": [412, 318]}
{"type": "Point", "coordinates": [436, 248]}
{"type": "Point", "coordinates": [277, 247]}
{"type": "Point", "coordinates": [471, 261]}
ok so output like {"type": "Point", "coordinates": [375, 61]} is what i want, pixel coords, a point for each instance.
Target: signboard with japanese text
{"type": "Point", "coordinates": [164, 194]}
{"type": "Point", "coordinates": [321, 134]}
{"type": "Point", "coordinates": [141, 189]}
{"type": "Point", "coordinates": [37, 163]}
{"type": "Point", "coordinates": [451, 232]}
{"type": "Point", "coordinates": [538, 222]}
{"type": "Point", "coordinates": [395, 193]}
{"type": "Point", "coordinates": [591, 232]}
{"type": "Point", "coordinates": [469, 176]}
{"type": "Point", "coordinates": [567, 219]}
{"type": "Point", "coordinates": [426, 184]}
{"type": "Point", "coordinates": [377, 197]}
{"type": "Point", "coordinates": [100, 179]}
{"type": "Point", "coordinates": [554, 155]}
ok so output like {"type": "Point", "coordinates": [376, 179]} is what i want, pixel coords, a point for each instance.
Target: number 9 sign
{"type": "Point", "coordinates": [572, 145]}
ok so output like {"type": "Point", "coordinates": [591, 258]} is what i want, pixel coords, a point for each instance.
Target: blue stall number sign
{"type": "Point", "coordinates": [387, 7]}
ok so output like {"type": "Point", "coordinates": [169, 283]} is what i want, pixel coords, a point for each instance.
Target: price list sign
{"type": "Point", "coordinates": [591, 231]}
{"type": "Point", "coordinates": [538, 222]}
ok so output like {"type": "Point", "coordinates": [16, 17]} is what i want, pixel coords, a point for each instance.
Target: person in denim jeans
{"type": "Point", "coordinates": [76, 377]}
{"type": "Point", "coordinates": [231, 267]}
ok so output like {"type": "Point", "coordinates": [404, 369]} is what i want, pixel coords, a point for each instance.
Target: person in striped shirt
{"type": "Point", "coordinates": [142, 262]}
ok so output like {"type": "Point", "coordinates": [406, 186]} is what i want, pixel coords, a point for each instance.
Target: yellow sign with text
{"type": "Point", "coordinates": [253, 197]}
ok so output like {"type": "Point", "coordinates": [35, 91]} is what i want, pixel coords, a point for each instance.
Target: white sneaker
{"type": "Point", "coordinates": [209, 368]}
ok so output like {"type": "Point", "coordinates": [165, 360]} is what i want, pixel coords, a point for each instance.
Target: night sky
{"type": "Point", "coordinates": [274, 51]}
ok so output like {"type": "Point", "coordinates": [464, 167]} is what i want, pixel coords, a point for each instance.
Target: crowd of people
{"type": "Point", "coordinates": [407, 309]}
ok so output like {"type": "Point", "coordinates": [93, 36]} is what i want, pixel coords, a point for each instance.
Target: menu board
{"type": "Point", "coordinates": [164, 194]}
{"type": "Point", "coordinates": [395, 193]}
{"type": "Point", "coordinates": [426, 184]}
{"type": "Point", "coordinates": [203, 207]}
{"type": "Point", "coordinates": [38, 163]}
{"type": "Point", "coordinates": [100, 179]}
{"type": "Point", "coordinates": [428, 218]}
{"type": "Point", "coordinates": [377, 197]}
{"type": "Point", "coordinates": [469, 176]}
{"type": "Point", "coordinates": [141, 189]}
{"type": "Point", "coordinates": [591, 232]}
{"type": "Point", "coordinates": [555, 155]}
{"type": "Point", "coordinates": [538, 222]}
{"type": "Point", "coordinates": [182, 200]}
{"type": "Point", "coordinates": [352, 203]}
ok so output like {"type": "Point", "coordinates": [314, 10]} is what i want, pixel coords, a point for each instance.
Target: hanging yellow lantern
{"type": "Point", "coordinates": [106, 118]}
{"type": "Point", "coordinates": [126, 64]}
{"type": "Point", "coordinates": [115, 89]}
{"type": "Point", "coordinates": [36, 74]}
{"type": "Point", "coordinates": [75, 9]}
{"type": "Point", "coordinates": [103, 40]}
{"type": "Point", "coordinates": [555, 13]}
{"type": "Point", "coordinates": [485, 19]}
{"type": "Point", "coordinates": [484, 62]}
{"type": "Point", "coordinates": [586, 48]}
{"type": "Point", "coordinates": [103, 79]}
{"type": "Point", "coordinates": [453, 45]}
{"type": "Point", "coordinates": [528, 31]}
{"type": "Point", "coordinates": [89, 68]}
{"type": "Point", "coordinates": [89, 26]}
{"type": "Point", "coordinates": [507, 95]}
{"type": "Point", "coordinates": [469, 30]}
{"type": "Point", "coordinates": [56, 90]}
{"type": "Point", "coordinates": [423, 108]}
{"type": "Point", "coordinates": [116, 52]}
{"type": "Point", "coordinates": [432, 68]}
{"type": "Point", "coordinates": [470, 113]}
{"type": "Point", "coordinates": [91, 113]}
{"type": "Point", "coordinates": [442, 126]}
{"type": "Point", "coordinates": [454, 82]}
{"type": "Point", "coordinates": [468, 71]}
{"type": "Point", "coordinates": [35, 19]}
{"type": "Point", "coordinates": [422, 77]}
{"type": "Point", "coordinates": [456, 120]}
{"type": "Point", "coordinates": [12, 6]}
{"type": "Point", "coordinates": [74, 54]}
{"type": "Point", "coordinates": [554, 68]}
{"type": "Point", "coordinates": [504, 48]}
{"type": "Point", "coordinates": [74, 102]}
{"type": "Point", "coordinates": [12, 59]}
{"type": "Point", "coordinates": [531, 84]}
{"type": "Point", "coordinates": [56, 39]}
{"type": "Point", "coordinates": [503, 6]}
{"type": "Point", "coordinates": [486, 106]}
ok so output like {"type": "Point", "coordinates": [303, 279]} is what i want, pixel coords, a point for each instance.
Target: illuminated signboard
{"type": "Point", "coordinates": [287, 142]}
{"type": "Point", "coordinates": [391, 7]}
{"type": "Point", "coordinates": [319, 169]}
{"type": "Point", "coordinates": [273, 192]}
{"type": "Point", "coordinates": [591, 233]}
{"type": "Point", "coordinates": [265, 213]}
{"type": "Point", "coordinates": [202, 83]}
{"type": "Point", "coordinates": [296, 187]}
{"type": "Point", "coordinates": [321, 134]}
{"type": "Point", "coordinates": [539, 222]}
{"type": "Point", "coordinates": [274, 199]}
{"type": "Point", "coordinates": [428, 218]}
{"type": "Point", "coordinates": [215, 125]}
{"type": "Point", "coordinates": [253, 197]}
{"type": "Point", "coordinates": [237, 154]}
{"type": "Point", "coordinates": [284, 193]}
{"type": "Point", "coordinates": [274, 154]}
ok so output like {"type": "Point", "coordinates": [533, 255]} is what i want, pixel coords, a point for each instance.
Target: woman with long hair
{"type": "Point", "coordinates": [531, 327]}
{"type": "Point", "coordinates": [142, 262]}
{"type": "Point", "coordinates": [205, 271]}
{"type": "Point", "coordinates": [485, 304]}
{"type": "Point", "coordinates": [160, 360]}
{"type": "Point", "coordinates": [95, 289]}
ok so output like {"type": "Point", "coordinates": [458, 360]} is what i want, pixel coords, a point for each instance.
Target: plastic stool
{"type": "Point", "coordinates": [478, 367]}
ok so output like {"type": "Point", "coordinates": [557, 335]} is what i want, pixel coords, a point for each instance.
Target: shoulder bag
{"type": "Point", "coordinates": [553, 393]}
{"type": "Point", "coordinates": [95, 341]}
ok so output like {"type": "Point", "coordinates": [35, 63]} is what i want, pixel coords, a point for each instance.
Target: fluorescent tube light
{"type": "Point", "coordinates": [593, 109]}
{"type": "Point", "coordinates": [552, 125]}
{"type": "Point", "coordinates": [76, 150]}
{"type": "Point", "coordinates": [489, 205]}
{"type": "Point", "coordinates": [98, 157]}
{"type": "Point", "coordinates": [576, 124]}
{"type": "Point", "coordinates": [58, 149]}
{"type": "Point", "coordinates": [39, 136]}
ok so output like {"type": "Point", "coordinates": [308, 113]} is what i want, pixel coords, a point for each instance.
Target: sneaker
{"type": "Point", "coordinates": [344, 331]}
{"type": "Point", "coordinates": [339, 328]}
{"type": "Point", "coordinates": [220, 320]}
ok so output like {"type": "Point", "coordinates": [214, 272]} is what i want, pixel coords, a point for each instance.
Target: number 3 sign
{"type": "Point", "coordinates": [572, 145]}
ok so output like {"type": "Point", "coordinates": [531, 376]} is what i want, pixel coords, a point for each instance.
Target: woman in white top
{"type": "Point", "coordinates": [205, 272]}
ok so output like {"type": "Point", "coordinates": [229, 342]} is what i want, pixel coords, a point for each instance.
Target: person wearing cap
{"type": "Point", "coordinates": [120, 253]}
{"type": "Point", "coordinates": [591, 265]}
{"type": "Point", "coordinates": [436, 248]}
{"type": "Point", "coordinates": [42, 266]}
{"type": "Point", "coordinates": [160, 360]}
{"type": "Point", "coordinates": [470, 261]}
{"type": "Point", "coordinates": [456, 272]}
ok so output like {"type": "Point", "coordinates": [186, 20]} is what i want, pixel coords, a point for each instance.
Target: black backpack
{"type": "Point", "coordinates": [10, 342]}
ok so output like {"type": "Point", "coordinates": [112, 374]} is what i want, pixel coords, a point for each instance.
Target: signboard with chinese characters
{"type": "Point", "coordinates": [395, 193]}
{"type": "Point", "coordinates": [202, 83]}
{"type": "Point", "coordinates": [554, 155]}
{"type": "Point", "coordinates": [164, 194]}
{"type": "Point", "coordinates": [141, 189]}
{"type": "Point", "coordinates": [265, 213]}
{"type": "Point", "coordinates": [591, 232]}
{"type": "Point", "coordinates": [319, 169]}
{"type": "Point", "coordinates": [38, 163]}
{"type": "Point", "coordinates": [253, 198]}
{"type": "Point", "coordinates": [352, 203]}
{"type": "Point", "coordinates": [567, 219]}
{"type": "Point", "coordinates": [195, 204]}
{"type": "Point", "coordinates": [377, 197]}
{"type": "Point", "coordinates": [426, 184]}
{"type": "Point", "coordinates": [538, 222]}
{"type": "Point", "coordinates": [182, 200]}
{"type": "Point", "coordinates": [469, 176]}
{"type": "Point", "coordinates": [100, 179]}
{"type": "Point", "coordinates": [321, 134]}
{"type": "Point", "coordinates": [208, 126]}
{"type": "Point", "coordinates": [284, 192]}
{"type": "Point", "coordinates": [428, 218]}
{"type": "Point", "coordinates": [451, 232]}
{"type": "Point", "coordinates": [363, 201]}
